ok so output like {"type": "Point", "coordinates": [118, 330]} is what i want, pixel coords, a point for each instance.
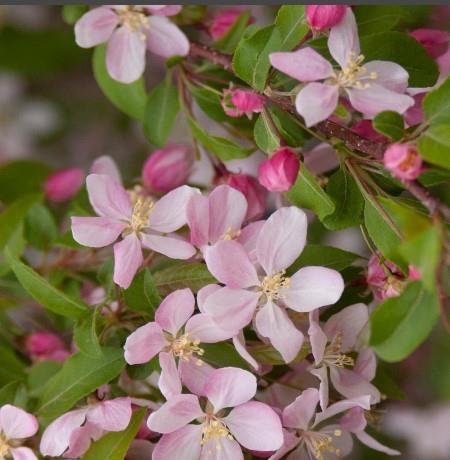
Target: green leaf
{"type": "Point", "coordinates": [40, 227]}
{"type": "Point", "coordinates": [228, 42]}
{"type": "Point", "coordinates": [8, 392]}
{"type": "Point", "coordinates": [85, 333]}
{"type": "Point", "coordinates": [307, 193]}
{"type": "Point", "coordinates": [390, 124]}
{"type": "Point", "coordinates": [71, 13]}
{"type": "Point", "coordinates": [289, 129]}
{"type": "Point", "coordinates": [265, 136]}
{"type": "Point", "coordinates": [13, 215]}
{"type": "Point", "coordinates": [292, 26]}
{"type": "Point", "coordinates": [348, 201]}
{"type": "Point", "coordinates": [161, 111]}
{"type": "Point", "coordinates": [142, 295]}
{"type": "Point", "coordinates": [251, 59]}
{"type": "Point", "coordinates": [404, 50]}
{"type": "Point", "coordinates": [400, 324]}
{"type": "Point", "coordinates": [386, 384]}
{"type": "Point", "coordinates": [436, 105]}
{"type": "Point", "coordinates": [222, 355]}
{"type": "Point", "coordinates": [38, 375]}
{"type": "Point", "coordinates": [80, 376]}
{"type": "Point", "coordinates": [221, 147]}
{"type": "Point", "coordinates": [129, 98]}
{"type": "Point", "coordinates": [44, 293]}
{"type": "Point", "coordinates": [434, 145]}
{"type": "Point", "coordinates": [114, 445]}
{"type": "Point", "coordinates": [12, 368]}
{"type": "Point", "coordinates": [209, 101]}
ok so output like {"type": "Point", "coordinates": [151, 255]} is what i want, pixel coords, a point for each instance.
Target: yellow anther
{"type": "Point", "coordinates": [272, 285]}
{"type": "Point", "coordinates": [333, 355]}
{"type": "Point", "coordinates": [134, 19]}
{"type": "Point", "coordinates": [142, 207]}
{"type": "Point", "coordinates": [214, 430]}
{"type": "Point", "coordinates": [4, 446]}
{"type": "Point", "coordinates": [354, 74]}
{"type": "Point", "coordinates": [231, 234]}
{"type": "Point", "coordinates": [185, 347]}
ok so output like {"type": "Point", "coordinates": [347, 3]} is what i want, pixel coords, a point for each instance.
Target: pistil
{"type": "Point", "coordinates": [134, 19]}
{"type": "Point", "coordinates": [272, 285]}
{"type": "Point", "coordinates": [214, 430]}
{"type": "Point", "coordinates": [186, 347]}
{"type": "Point", "coordinates": [354, 72]}
{"type": "Point", "coordinates": [141, 211]}
{"type": "Point", "coordinates": [333, 355]}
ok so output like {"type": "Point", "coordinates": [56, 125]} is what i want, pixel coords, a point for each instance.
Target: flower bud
{"type": "Point", "coordinates": [414, 115]}
{"type": "Point", "coordinates": [279, 172]}
{"type": "Point", "coordinates": [222, 22]}
{"type": "Point", "coordinates": [63, 185]}
{"type": "Point", "coordinates": [385, 279]}
{"type": "Point", "coordinates": [238, 102]}
{"type": "Point", "coordinates": [46, 345]}
{"type": "Point", "coordinates": [255, 194]}
{"type": "Point", "coordinates": [167, 168]}
{"type": "Point", "coordinates": [434, 41]}
{"type": "Point", "coordinates": [322, 17]}
{"type": "Point", "coordinates": [403, 161]}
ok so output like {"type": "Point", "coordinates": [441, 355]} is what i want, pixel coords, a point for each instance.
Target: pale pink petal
{"type": "Point", "coordinates": [170, 247]}
{"type": "Point", "coordinates": [164, 10]}
{"type": "Point", "coordinates": [169, 213]}
{"type": "Point", "coordinates": [144, 343]}
{"type": "Point", "coordinates": [349, 323]}
{"type": "Point", "coordinates": [255, 426]}
{"type": "Point", "coordinates": [390, 75]}
{"type": "Point", "coordinates": [322, 374]}
{"type": "Point", "coordinates": [95, 27]}
{"type": "Point", "coordinates": [353, 420]}
{"type": "Point", "coordinates": [108, 198]}
{"type": "Point", "coordinates": [205, 328]}
{"type": "Point", "coordinates": [112, 415]}
{"type": "Point", "coordinates": [313, 287]}
{"type": "Point", "coordinates": [281, 239]}
{"type": "Point", "coordinates": [96, 232]}
{"type": "Point", "coordinates": [169, 380]}
{"type": "Point", "coordinates": [125, 55]}
{"type": "Point", "coordinates": [316, 102]}
{"type": "Point", "coordinates": [221, 448]}
{"type": "Point", "coordinates": [175, 310]}
{"type": "Point", "coordinates": [227, 210]}
{"type": "Point", "coordinates": [343, 442]}
{"type": "Point", "coordinates": [232, 309]}
{"type": "Point", "coordinates": [127, 260]}
{"type": "Point", "coordinates": [342, 406]}
{"type": "Point", "coordinates": [194, 375]}
{"type": "Point", "coordinates": [366, 364]}
{"type": "Point", "coordinates": [374, 444]}
{"type": "Point", "coordinates": [239, 345]}
{"type": "Point", "coordinates": [23, 453]}
{"type": "Point", "coordinates": [184, 443]}
{"type": "Point", "coordinates": [204, 293]}
{"type": "Point", "coordinates": [304, 64]}
{"type": "Point", "coordinates": [107, 166]}
{"type": "Point", "coordinates": [273, 322]}
{"type": "Point", "coordinates": [300, 413]}
{"type": "Point", "coordinates": [229, 263]}
{"type": "Point", "coordinates": [318, 339]}
{"type": "Point", "coordinates": [81, 438]}
{"type": "Point", "coordinates": [375, 99]}
{"type": "Point", "coordinates": [197, 213]}
{"type": "Point", "coordinates": [229, 387]}
{"type": "Point", "coordinates": [290, 441]}
{"type": "Point", "coordinates": [165, 39]}
{"type": "Point", "coordinates": [343, 39]}
{"type": "Point", "coordinates": [177, 412]}
{"type": "Point", "coordinates": [248, 238]}
{"type": "Point", "coordinates": [16, 423]}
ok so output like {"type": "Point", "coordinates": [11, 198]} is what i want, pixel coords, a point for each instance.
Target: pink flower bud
{"type": "Point", "coordinates": [322, 17]}
{"type": "Point", "coordinates": [222, 21]}
{"type": "Point", "coordinates": [62, 185]}
{"type": "Point", "coordinates": [385, 280]}
{"type": "Point", "coordinates": [279, 172]}
{"type": "Point", "coordinates": [255, 194]}
{"type": "Point", "coordinates": [403, 161]}
{"type": "Point", "coordinates": [414, 115]}
{"type": "Point", "coordinates": [167, 168]}
{"type": "Point", "coordinates": [45, 345]}
{"type": "Point", "coordinates": [434, 41]}
{"type": "Point", "coordinates": [238, 102]}
{"type": "Point", "coordinates": [365, 129]}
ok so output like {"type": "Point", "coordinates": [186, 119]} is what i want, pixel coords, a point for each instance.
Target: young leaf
{"type": "Point", "coordinates": [142, 295]}
{"type": "Point", "coordinates": [40, 227]}
{"type": "Point", "coordinates": [434, 145]}
{"type": "Point", "coordinates": [161, 111]}
{"type": "Point", "coordinates": [436, 105]}
{"type": "Point", "coordinates": [80, 376]}
{"type": "Point", "coordinates": [266, 137]}
{"type": "Point", "coordinates": [228, 42]}
{"type": "Point", "coordinates": [85, 333]}
{"type": "Point", "coordinates": [390, 124]}
{"type": "Point", "coordinates": [292, 26]}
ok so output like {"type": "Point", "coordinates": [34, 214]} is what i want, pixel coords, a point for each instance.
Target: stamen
{"type": "Point", "coordinates": [134, 18]}
{"type": "Point", "coordinates": [4, 446]}
{"type": "Point", "coordinates": [272, 285]}
{"type": "Point", "coordinates": [141, 212]}
{"type": "Point", "coordinates": [214, 430]}
{"type": "Point", "coordinates": [333, 355]}
{"type": "Point", "coordinates": [185, 347]}
{"type": "Point", "coordinates": [354, 74]}
{"type": "Point", "coordinates": [322, 444]}
{"type": "Point", "coordinates": [231, 234]}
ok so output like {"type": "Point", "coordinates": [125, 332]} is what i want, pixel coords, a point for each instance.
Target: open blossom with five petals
{"type": "Point", "coordinates": [138, 218]}
{"type": "Point", "coordinates": [15, 426]}
{"type": "Point", "coordinates": [167, 338]}
{"type": "Point", "coordinates": [216, 434]}
{"type": "Point", "coordinates": [130, 30]}
{"type": "Point", "coordinates": [371, 87]}
{"type": "Point", "coordinates": [330, 347]}
{"type": "Point", "coordinates": [262, 287]}
{"type": "Point", "coordinates": [71, 434]}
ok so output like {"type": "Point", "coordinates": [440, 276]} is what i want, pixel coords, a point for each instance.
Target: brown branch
{"type": "Point", "coordinates": [332, 130]}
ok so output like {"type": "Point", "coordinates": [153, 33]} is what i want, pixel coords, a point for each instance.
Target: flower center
{"type": "Point", "coordinates": [409, 162]}
{"type": "Point", "coordinates": [231, 234]}
{"type": "Point", "coordinates": [185, 347]}
{"type": "Point", "coordinates": [4, 446]}
{"type": "Point", "coordinates": [142, 206]}
{"type": "Point", "coordinates": [333, 355]}
{"type": "Point", "coordinates": [134, 19]}
{"type": "Point", "coordinates": [214, 430]}
{"type": "Point", "coordinates": [354, 72]}
{"type": "Point", "coordinates": [321, 444]}
{"type": "Point", "coordinates": [272, 285]}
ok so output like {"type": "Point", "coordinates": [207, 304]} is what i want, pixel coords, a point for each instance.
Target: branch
{"type": "Point", "coordinates": [331, 130]}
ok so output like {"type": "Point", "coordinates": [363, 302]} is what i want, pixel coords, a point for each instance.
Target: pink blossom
{"type": "Point", "coordinates": [63, 185]}
{"type": "Point", "coordinates": [330, 346]}
{"type": "Point", "coordinates": [370, 88]}
{"type": "Point", "coordinates": [130, 30]}
{"type": "Point", "coordinates": [250, 424]}
{"type": "Point", "coordinates": [323, 17]}
{"type": "Point", "coordinates": [414, 115]}
{"type": "Point", "coordinates": [403, 161]}
{"type": "Point", "coordinates": [221, 22]}
{"type": "Point", "coordinates": [254, 193]}
{"type": "Point", "coordinates": [138, 218]}
{"type": "Point", "coordinates": [15, 426]}
{"type": "Point", "coordinates": [238, 102]}
{"type": "Point", "coordinates": [365, 129]}
{"type": "Point", "coordinates": [279, 172]}
{"type": "Point", "coordinates": [71, 434]}
{"type": "Point", "coordinates": [167, 168]}
{"type": "Point", "coordinates": [260, 288]}
{"type": "Point", "coordinates": [175, 335]}
{"type": "Point", "coordinates": [107, 166]}
{"type": "Point", "coordinates": [46, 345]}
{"type": "Point", "coordinates": [433, 40]}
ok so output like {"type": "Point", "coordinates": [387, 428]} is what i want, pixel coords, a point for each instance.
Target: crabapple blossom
{"type": "Point", "coordinates": [238, 102]}
{"type": "Point", "coordinates": [403, 161]}
{"type": "Point", "coordinates": [222, 21]}
{"type": "Point", "coordinates": [250, 424]}
{"type": "Point", "coordinates": [279, 172]}
{"type": "Point", "coordinates": [433, 40]}
{"type": "Point", "coordinates": [370, 87]}
{"type": "Point", "coordinates": [15, 426]}
{"type": "Point", "coordinates": [130, 30]}
{"type": "Point", "coordinates": [140, 220]}
{"type": "Point", "coordinates": [46, 346]}
{"type": "Point", "coordinates": [107, 166]}
{"type": "Point", "coordinates": [62, 185]}
{"type": "Point", "coordinates": [322, 17]}
{"type": "Point", "coordinates": [262, 290]}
